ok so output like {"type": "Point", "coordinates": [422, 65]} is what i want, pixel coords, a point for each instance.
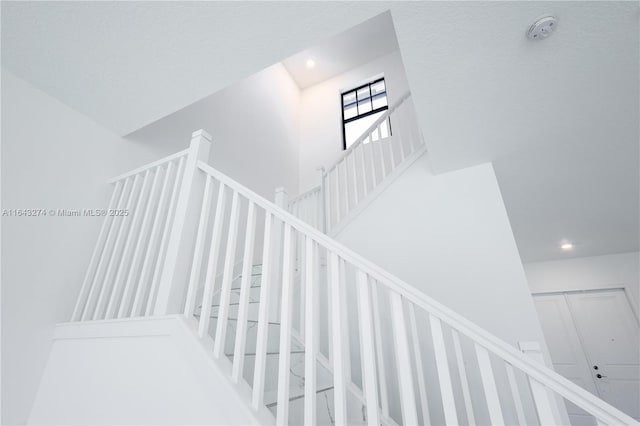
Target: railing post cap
{"type": "Point", "coordinates": [201, 134]}
{"type": "Point", "coordinates": [281, 189]}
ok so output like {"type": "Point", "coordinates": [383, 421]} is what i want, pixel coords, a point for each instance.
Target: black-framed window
{"type": "Point", "coordinates": [361, 107]}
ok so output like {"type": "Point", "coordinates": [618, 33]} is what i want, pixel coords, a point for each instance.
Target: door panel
{"type": "Point", "coordinates": [566, 351]}
{"type": "Point", "coordinates": [610, 335]}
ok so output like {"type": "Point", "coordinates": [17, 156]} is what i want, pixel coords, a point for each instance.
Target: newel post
{"type": "Point", "coordinates": [546, 402]}
{"type": "Point", "coordinates": [175, 271]}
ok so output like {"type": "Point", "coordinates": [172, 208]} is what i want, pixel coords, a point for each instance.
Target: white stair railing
{"type": "Point", "coordinates": [360, 317]}
{"type": "Point", "coordinates": [367, 163]}
{"type": "Point", "coordinates": [309, 207]}
{"type": "Point", "coordinates": [124, 271]}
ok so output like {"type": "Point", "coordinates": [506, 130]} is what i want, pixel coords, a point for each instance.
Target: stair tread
{"type": "Point", "coordinates": [294, 397]}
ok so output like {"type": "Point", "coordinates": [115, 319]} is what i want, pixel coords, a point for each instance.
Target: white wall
{"type": "Point", "coordinates": [449, 236]}
{"type": "Point", "coordinates": [254, 126]}
{"type": "Point", "coordinates": [587, 273]}
{"type": "Point", "coordinates": [52, 157]}
{"type": "Point", "coordinates": [151, 371]}
{"type": "Point", "coordinates": [321, 113]}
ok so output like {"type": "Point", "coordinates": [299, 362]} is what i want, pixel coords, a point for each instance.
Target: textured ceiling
{"type": "Point", "coordinates": [333, 56]}
{"type": "Point", "coordinates": [558, 117]}
{"type": "Point", "coordinates": [127, 64]}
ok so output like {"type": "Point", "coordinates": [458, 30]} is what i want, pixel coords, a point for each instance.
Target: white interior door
{"type": "Point", "coordinates": [565, 348]}
{"type": "Point", "coordinates": [610, 335]}
{"type": "Point", "coordinates": [594, 340]}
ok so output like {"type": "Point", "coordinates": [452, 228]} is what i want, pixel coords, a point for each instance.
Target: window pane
{"type": "Point", "coordinates": [380, 100]}
{"type": "Point", "coordinates": [363, 93]}
{"type": "Point", "coordinates": [355, 129]}
{"type": "Point", "coordinates": [349, 98]}
{"type": "Point", "coordinates": [364, 106]}
{"type": "Point", "coordinates": [378, 87]}
{"type": "Point", "coordinates": [350, 111]}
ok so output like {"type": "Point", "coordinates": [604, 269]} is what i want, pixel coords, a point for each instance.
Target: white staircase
{"type": "Point", "coordinates": [320, 334]}
{"type": "Point", "coordinates": [383, 151]}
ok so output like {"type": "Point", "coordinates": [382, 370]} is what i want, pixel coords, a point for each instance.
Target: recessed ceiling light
{"type": "Point", "coordinates": [311, 63]}
{"type": "Point", "coordinates": [566, 246]}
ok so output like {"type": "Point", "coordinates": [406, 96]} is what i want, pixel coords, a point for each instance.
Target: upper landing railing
{"type": "Point", "coordinates": [390, 144]}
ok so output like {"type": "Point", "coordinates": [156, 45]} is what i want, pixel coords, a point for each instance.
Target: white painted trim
{"type": "Point", "coordinates": [149, 166]}
{"type": "Point", "coordinates": [624, 287]}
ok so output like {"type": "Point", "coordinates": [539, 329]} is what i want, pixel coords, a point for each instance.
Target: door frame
{"type": "Point", "coordinates": [624, 288]}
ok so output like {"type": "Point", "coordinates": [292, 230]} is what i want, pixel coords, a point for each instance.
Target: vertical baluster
{"type": "Point", "coordinates": [212, 262]}
{"type": "Point", "coordinates": [354, 176]}
{"type": "Point", "coordinates": [417, 355]}
{"type": "Point", "coordinates": [329, 309]}
{"type": "Point", "coordinates": [136, 217]}
{"type": "Point", "coordinates": [346, 351]}
{"type": "Point", "coordinates": [152, 247]}
{"type": "Point", "coordinates": [372, 159]}
{"type": "Point", "coordinates": [138, 252]}
{"type": "Point", "coordinates": [316, 207]}
{"type": "Point", "coordinates": [392, 156]}
{"type": "Point", "coordinates": [284, 358]}
{"type": "Point", "coordinates": [367, 350]}
{"type": "Point", "coordinates": [165, 236]}
{"type": "Point", "coordinates": [363, 167]}
{"type": "Point", "coordinates": [245, 288]}
{"type": "Point", "coordinates": [301, 271]}
{"type": "Point", "coordinates": [311, 334]}
{"type": "Point", "coordinates": [382, 374]}
{"type": "Point", "coordinates": [398, 133]}
{"type": "Point", "coordinates": [383, 166]}
{"type": "Point", "coordinates": [517, 401]}
{"type": "Point", "coordinates": [104, 273]}
{"type": "Point", "coordinates": [444, 377]}
{"type": "Point", "coordinates": [345, 183]}
{"type": "Point", "coordinates": [88, 282]}
{"type": "Point", "coordinates": [464, 383]}
{"type": "Point", "coordinates": [198, 253]}
{"type": "Point", "coordinates": [489, 386]}
{"type": "Point", "coordinates": [263, 316]}
{"type": "Point", "coordinates": [326, 205]}
{"type": "Point", "coordinates": [339, 362]}
{"type": "Point", "coordinates": [544, 401]}
{"type": "Point", "coordinates": [227, 277]}
{"type": "Point", "coordinates": [403, 362]}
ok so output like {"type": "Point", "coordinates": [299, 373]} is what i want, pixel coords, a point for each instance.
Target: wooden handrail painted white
{"type": "Point", "coordinates": [305, 194]}
{"type": "Point", "coordinates": [151, 165]}
{"type": "Point", "coordinates": [547, 377]}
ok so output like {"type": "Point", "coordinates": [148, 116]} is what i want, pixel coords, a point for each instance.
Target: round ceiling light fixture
{"type": "Point", "coordinates": [542, 28]}
{"type": "Point", "coordinates": [566, 246]}
{"type": "Point", "coordinates": [310, 63]}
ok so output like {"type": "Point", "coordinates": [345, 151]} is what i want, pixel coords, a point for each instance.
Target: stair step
{"type": "Point", "coordinates": [236, 319]}
{"type": "Point", "coordinates": [300, 396]}
{"type": "Point", "coordinates": [235, 304]}
{"type": "Point", "coordinates": [268, 353]}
